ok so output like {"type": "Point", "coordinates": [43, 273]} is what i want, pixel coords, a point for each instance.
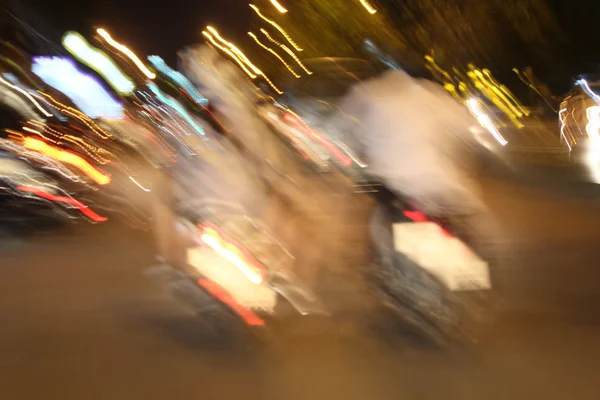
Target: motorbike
{"type": "Point", "coordinates": [238, 277]}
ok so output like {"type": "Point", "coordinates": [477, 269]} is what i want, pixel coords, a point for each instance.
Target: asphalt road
{"type": "Point", "coordinates": [79, 321]}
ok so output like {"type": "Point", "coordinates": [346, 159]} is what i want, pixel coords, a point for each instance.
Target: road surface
{"type": "Point", "coordinates": [79, 321]}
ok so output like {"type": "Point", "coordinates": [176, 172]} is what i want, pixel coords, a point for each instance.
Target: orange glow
{"type": "Point", "coordinates": [92, 151]}
{"type": "Point", "coordinates": [127, 52]}
{"type": "Point", "coordinates": [64, 199]}
{"type": "Point", "coordinates": [217, 291]}
{"type": "Point", "coordinates": [67, 158]}
{"type": "Point", "coordinates": [252, 269]}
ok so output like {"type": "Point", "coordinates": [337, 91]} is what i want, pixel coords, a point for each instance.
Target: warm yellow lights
{"type": "Point", "coordinates": [287, 50]}
{"type": "Point", "coordinates": [279, 7]}
{"type": "Point", "coordinates": [368, 7]}
{"type": "Point", "coordinates": [239, 57]}
{"type": "Point", "coordinates": [253, 36]}
{"type": "Point", "coordinates": [127, 52]}
{"type": "Point", "coordinates": [279, 28]}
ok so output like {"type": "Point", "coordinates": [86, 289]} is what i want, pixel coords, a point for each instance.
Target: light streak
{"type": "Point", "coordinates": [563, 126]}
{"type": "Point", "coordinates": [480, 84]}
{"type": "Point", "coordinates": [241, 59]}
{"type": "Point", "coordinates": [180, 79]}
{"type": "Point", "coordinates": [368, 7]}
{"type": "Point", "coordinates": [98, 61]}
{"type": "Point", "coordinates": [81, 88]}
{"type": "Point", "coordinates": [125, 50]}
{"type": "Point", "coordinates": [237, 51]}
{"type": "Point", "coordinates": [279, 7]}
{"type": "Point", "coordinates": [593, 151]}
{"type": "Point", "coordinates": [67, 158]}
{"type": "Point", "coordinates": [279, 28]}
{"type": "Point", "coordinates": [287, 50]}
{"type": "Point", "coordinates": [140, 186]}
{"type": "Point", "coordinates": [517, 107]}
{"type": "Point", "coordinates": [289, 68]}
{"type": "Point", "coordinates": [232, 253]}
{"type": "Point", "coordinates": [35, 103]}
{"type": "Point", "coordinates": [485, 121]}
{"type": "Point", "coordinates": [89, 149]}
{"type": "Point", "coordinates": [76, 114]}
{"type": "Point", "coordinates": [64, 199]}
{"type": "Point", "coordinates": [226, 50]}
{"type": "Point", "coordinates": [586, 88]}
{"type": "Point", "coordinates": [176, 106]}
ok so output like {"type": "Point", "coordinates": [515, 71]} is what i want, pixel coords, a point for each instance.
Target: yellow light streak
{"type": "Point", "coordinates": [368, 7]}
{"type": "Point", "coordinates": [494, 98]}
{"type": "Point", "coordinates": [506, 91]}
{"type": "Point", "coordinates": [289, 68]}
{"type": "Point", "coordinates": [125, 50]}
{"type": "Point", "coordinates": [92, 151]}
{"type": "Point", "coordinates": [67, 158]}
{"type": "Point", "coordinates": [279, 28]}
{"type": "Point", "coordinates": [287, 50]}
{"type": "Point", "coordinates": [497, 89]}
{"type": "Point", "coordinates": [228, 52]}
{"type": "Point", "coordinates": [76, 114]}
{"type": "Point", "coordinates": [279, 7]}
{"type": "Point", "coordinates": [241, 63]}
{"type": "Point", "coordinates": [233, 48]}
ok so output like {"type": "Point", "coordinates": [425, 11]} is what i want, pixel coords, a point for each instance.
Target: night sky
{"type": "Point", "coordinates": [148, 27]}
{"type": "Point", "coordinates": [163, 28]}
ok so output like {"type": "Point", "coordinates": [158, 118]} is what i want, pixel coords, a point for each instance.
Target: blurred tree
{"type": "Point", "coordinates": [491, 32]}
{"type": "Point", "coordinates": [497, 34]}
{"type": "Point", "coordinates": [325, 28]}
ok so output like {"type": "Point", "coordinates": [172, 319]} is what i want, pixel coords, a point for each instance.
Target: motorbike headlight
{"type": "Point", "coordinates": [225, 247]}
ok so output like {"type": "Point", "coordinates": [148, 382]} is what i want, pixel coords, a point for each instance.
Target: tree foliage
{"type": "Point", "coordinates": [331, 27]}
{"type": "Point", "coordinates": [495, 33]}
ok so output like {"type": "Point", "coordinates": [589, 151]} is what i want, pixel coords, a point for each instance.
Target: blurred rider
{"type": "Point", "coordinates": [418, 141]}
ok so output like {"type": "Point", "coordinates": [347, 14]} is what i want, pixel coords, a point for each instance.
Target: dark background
{"type": "Point", "coordinates": [164, 27]}
{"type": "Point", "coordinates": [147, 27]}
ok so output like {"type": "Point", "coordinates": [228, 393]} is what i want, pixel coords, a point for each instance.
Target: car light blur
{"type": "Point", "coordinates": [251, 268]}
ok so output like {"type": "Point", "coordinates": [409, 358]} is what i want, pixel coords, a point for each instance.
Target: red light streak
{"type": "Point", "coordinates": [217, 291]}
{"type": "Point", "coordinates": [64, 199]}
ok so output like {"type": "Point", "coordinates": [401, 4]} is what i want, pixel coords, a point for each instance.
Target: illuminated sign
{"type": "Point", "coordinates": [83, 89]}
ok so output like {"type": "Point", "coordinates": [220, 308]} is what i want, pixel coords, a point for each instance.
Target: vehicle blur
{"type": "Point", "coordinates": [378, 184]}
